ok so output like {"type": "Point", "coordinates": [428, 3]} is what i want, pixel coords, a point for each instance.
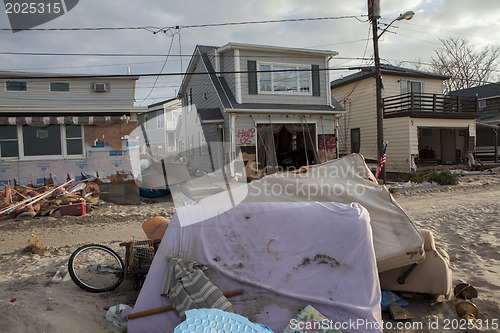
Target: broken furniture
{"type": "Point", "coordinates": [431, 276]}
{"type": "Point", "coordinates": [284, 255]}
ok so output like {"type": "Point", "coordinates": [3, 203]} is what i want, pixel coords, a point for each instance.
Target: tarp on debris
{"type": "Point", "coordinates": [284, 256]}
{"type": "Point", "coordinates": [397, 241]}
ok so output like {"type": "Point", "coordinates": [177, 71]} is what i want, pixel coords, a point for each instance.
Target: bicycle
{"type": "Point", "coordinates": [97, 268]}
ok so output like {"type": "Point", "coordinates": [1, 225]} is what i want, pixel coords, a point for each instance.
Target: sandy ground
{"type": "Point", "coordinates": [464, 219]}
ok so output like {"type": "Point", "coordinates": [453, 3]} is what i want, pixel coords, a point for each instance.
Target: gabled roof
{"type": "Point", "coordinates": [226, 95]}
{"type": "Point", "coordinates": [486, 91]}
{"type": "Point", "coordinates": [369, 71]}
{"type": "Point", "coordinates": [161, 103]}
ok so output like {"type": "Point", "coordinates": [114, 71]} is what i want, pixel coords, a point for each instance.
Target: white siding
{"type": "Point", "coordinates": [397, 136]}
{"type": "Point", "coordinates": [120, 92]}
{"type": "Point", "coordinates": [392, 85]}
{"type": "Point", "coordinates": [359, 101]}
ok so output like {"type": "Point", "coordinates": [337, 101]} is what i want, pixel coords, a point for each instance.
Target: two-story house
{"type": "Point", "coordinates": [160, 122]}
{"type": "Point", "coordinates": [266, 105]}
{"type": "Point", "coordinates": [55, 126]}
{"type": "Point", "coordinates": [420, 124]}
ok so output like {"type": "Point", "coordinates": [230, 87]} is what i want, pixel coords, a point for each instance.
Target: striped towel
{"type": "Point", "coordinates": [188, 287]}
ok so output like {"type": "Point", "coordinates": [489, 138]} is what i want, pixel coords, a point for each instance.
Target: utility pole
{"type": "Point", "coordinates": [374, 15]}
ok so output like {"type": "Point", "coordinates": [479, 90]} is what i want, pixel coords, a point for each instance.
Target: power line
{"type": "Point", "coordinates": [178, 27]}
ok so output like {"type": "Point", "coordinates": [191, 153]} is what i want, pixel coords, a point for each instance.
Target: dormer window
{"type": "Point", "coordinates": [281, 78]}
{"type": "Point", "coordinates": [289, 79]}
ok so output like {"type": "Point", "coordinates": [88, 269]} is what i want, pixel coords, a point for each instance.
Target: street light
{"type": "Point", "coordinates": [374, 15]}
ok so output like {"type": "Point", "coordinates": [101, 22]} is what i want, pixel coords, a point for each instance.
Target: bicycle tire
{"type": "Point", "coordinates": [96, 268]}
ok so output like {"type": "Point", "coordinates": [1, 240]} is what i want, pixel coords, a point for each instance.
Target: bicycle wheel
{"type": "Point", "coordinates": [96, 268]}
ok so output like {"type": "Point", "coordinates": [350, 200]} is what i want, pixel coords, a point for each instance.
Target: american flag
{"type": "Point", "coordinates": [382, 161]}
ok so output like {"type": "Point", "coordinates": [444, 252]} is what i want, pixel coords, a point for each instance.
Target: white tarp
{"type": "Point", "coordinates": [284, 256]}
{"type": "Point", "coordinates": [397, 241]}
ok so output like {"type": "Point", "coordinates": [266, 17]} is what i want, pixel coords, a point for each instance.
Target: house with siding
{"type": "Point", "coordinates": [421, 125]}
{"type": "Point", "coordinates": [157, 127]}
{"type": "Point", "coordinates": [489, 118]}
{"type": "Point", "coordinates": [55, 126]}
{"type": "Point", "coordinates": [266, 105]}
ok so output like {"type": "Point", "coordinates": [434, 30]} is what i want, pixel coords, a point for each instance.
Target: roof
{"type": "Point", "coordinates": [210, 115]}
{"type": "Point", "coordinates": [369, 71]}
{"type": "Point", "coordinates": [227, 97]}
{"type": "Point", "coordinates": [38, 75]}
{"type": "Point", "coordinates": [269, 48]}
{"type": "Point", "coordinates": [162, 102]}
{"type": "Point", "coordinates": [486, 91]}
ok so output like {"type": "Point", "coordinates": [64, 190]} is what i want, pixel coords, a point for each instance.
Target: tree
{"type": "Point", "coordinates": [467, 66]}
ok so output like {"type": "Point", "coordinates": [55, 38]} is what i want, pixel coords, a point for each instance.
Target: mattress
{"type": "Point", "coordinates": [284, 256]}
{"type": "Point", "coordinates": [397, 241]}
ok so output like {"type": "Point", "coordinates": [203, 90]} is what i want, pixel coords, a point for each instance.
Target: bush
{"type": "Point", "coordinates": [414, 177]}
{"type": "Point", "coordinates": [444, 177]}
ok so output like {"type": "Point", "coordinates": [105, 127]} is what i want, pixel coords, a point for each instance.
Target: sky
{"type": "Point", "coordinates": [405, 43]}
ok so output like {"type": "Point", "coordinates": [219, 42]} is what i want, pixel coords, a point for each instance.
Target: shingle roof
{"type": "Point", "coordinates": [488, 90]}
{"type": "Point", "coordinates": [210, 114]}
{"type": "Point", "coordinates": [369, 71]}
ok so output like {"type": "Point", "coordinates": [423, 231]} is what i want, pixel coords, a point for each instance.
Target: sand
{"type": "Point", "coordinates": [35, 298]}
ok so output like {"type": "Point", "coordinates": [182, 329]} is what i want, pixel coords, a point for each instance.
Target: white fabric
{"type": "Point", "coordinates": [397, 241]}
{"type": "Point", "coordinates": [284, 256]}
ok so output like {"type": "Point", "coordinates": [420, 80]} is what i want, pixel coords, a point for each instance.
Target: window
{"type": "Point", "coordinates": [59, 86]}
{"type": "Point", "coordinates": [355, 140]}
{"type": "Point", "coordinates": [74, 140]}
{"type": "Point", "coordinates": [8, 141]}
{"type": "Point", "coordinates": [44, 141]}
{"type": "Point", "coordinates": [171, 140]}
{"type": "Point", "coordinates": [482, 104]}
{"type": "Point", "coordinates": [31, 142]}
{"type": "Point", "coordinates": [408, 86]}
{"type": "Point", "coordinates": [16, 86]}
{"type": "Point", "coordinates": [280, 78]}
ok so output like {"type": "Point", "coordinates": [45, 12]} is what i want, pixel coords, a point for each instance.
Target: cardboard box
{"type": "Point", "coordinates": [73, 208]}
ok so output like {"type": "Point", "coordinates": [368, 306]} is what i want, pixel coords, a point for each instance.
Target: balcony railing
{"type": "Point", "coordinates": [430, 105]}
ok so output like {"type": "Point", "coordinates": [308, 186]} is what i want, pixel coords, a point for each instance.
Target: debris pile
{"type": "Point", "coordinates": [44, 200]}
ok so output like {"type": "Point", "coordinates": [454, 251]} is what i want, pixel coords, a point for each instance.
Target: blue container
{"type": "Point", "coordinates": [152, 193]}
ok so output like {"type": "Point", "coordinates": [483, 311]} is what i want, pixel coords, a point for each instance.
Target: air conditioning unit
{"type": "Point", "coordinates": [100, 87]}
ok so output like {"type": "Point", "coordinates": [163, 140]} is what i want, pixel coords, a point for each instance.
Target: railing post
{"type": "Point", "coordinates": [477, 104]}
{"type": "Point", "coordinates": [458, 103]}
{"type": "Point", "coordinates": [412, 102]}
{"type": "Point", "coordinates": [434, 103]}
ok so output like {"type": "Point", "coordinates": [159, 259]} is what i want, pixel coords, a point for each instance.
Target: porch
{"type": "Point", "coordinates": [419, 105]}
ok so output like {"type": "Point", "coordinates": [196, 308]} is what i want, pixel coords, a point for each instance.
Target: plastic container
{"type": "Point", "coordinates": [73, 208]}
{"type": "Point", "coordinates": [153, 193]}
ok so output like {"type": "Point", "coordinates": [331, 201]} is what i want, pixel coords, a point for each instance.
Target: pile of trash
{"type": "Point", "coordinates": [71, 198]}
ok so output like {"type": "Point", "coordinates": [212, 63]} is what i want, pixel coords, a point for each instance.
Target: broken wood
{"type": "Point", "coordinates": [170, 307]}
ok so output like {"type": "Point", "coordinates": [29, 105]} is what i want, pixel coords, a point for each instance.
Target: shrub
{"type": "Point", "coordinates": [414, 177]}
{"type": "Point", "coordinates": [444, 177]}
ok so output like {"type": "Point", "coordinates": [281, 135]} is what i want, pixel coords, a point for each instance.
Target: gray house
{"type": "Point", "coordinates": [488, 99]}
{"type": "Point", "coordinates": [159, 123]}
{"type": "Point", "coordinates": [268, 106]}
